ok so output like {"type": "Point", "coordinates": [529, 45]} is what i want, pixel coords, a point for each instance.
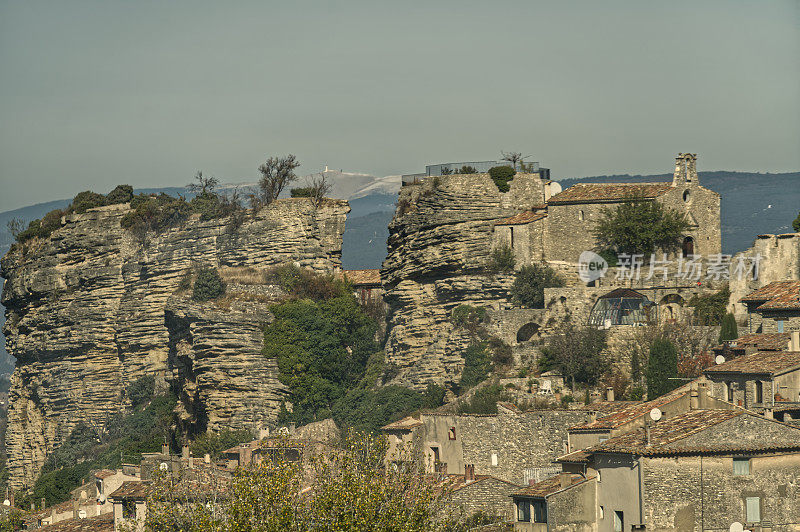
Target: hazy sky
{"type": "Point", "coordinates": [147, 92]}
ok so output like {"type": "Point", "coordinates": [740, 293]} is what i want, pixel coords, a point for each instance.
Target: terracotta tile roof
{"type": "Point", "coordinates": [762, 341]}
{"type": "Point", "coordinates": [522, 218]}
{"type": "Point", "coordinates": [104, 473]}
{"type": "Point", "coordinates": [778, 295]}
{"type": "Point", "coordinates": [608, 192]}
{"type": "Point", "coordinates": [132, 489]}
{"type": "Point", "coordinates": [761, 363]}
{"type": "Point", "coordinates": [361, 277]}
{"type": "Point", "coordinates": [407, 423]}
{"type": "Point", "coordinates": [630, 413]}
{"type": "Point", "coordinates": [100, 523]}
{"type": "Point", "coordinates": [607, 408]}
{"type": "Point", "coordinates": [548, 486]}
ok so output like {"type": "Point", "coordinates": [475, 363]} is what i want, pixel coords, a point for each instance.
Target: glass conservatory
{"type": "Point", "coordinates": [622, 306]}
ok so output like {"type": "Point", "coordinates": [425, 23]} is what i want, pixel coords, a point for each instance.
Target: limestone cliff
{"type": "Point", "coordinates": [439, 244]}
{"type": "Point", "coordinates": [90, 309]}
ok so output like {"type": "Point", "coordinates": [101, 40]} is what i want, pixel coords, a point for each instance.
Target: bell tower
{"type": "Point", "coordinates": [685, 169]}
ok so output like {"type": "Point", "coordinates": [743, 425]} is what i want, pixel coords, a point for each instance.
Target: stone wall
{"type": "Point", "coordinates": [573, 509]}
{"type": "Point", "coordinates": [701, 493]}
{"type": "Point", "coordinates": [780, 262]}
{"type": "Point", "coordinates": [85, 309]}
{"type": "Point", "coordinates": [488, 495]}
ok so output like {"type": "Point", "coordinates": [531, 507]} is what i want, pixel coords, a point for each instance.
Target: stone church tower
{"type": "Point", "coordinates": [685, 170]}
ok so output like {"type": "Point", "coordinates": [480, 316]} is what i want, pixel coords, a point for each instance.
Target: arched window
{"type": "Point", "coordinates": [580, 215]}
{"type": "Point", "coordinates": [759, 392]}
{"type": "Point", "coordinates": [686, 196]}
{"type": "Point", "coordinates": [527, 331]}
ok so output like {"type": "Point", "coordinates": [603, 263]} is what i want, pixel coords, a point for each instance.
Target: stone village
{"type": "Point", "coordinates": [717, 452]}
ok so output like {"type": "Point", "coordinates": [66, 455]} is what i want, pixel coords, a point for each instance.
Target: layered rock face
{"type": "Point", "coordinates": [440, 241]}
{"type": "Point", "coordinates": [91, 309]}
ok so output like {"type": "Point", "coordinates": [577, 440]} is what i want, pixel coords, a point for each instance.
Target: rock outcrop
{"type": "Point", "coordinates": [440, 242]}
{"type": "Point", "coordinates": [91, 309]}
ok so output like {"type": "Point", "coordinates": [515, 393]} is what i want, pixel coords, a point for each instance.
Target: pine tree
{"type": "Point", "coordinates": [729, 331]}
{"type": "Point", "coordinates": [662, 365]}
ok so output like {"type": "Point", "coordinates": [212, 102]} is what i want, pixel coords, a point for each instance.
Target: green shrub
{"type": "Point", "coordinates": [477, 364]}
{"type": "Point", "coordinates": [501, 259]}
{"type": "Point", "coordinates": [662, 368]}
{"type": "Point", "coordinates": [141, 390]}
{"type": "Point", "coordinates": [208, 285]}
{"type": "Point", "coordinates": [729, 330]}
{"type": "Point", "coordinates": [483, 401]}
{"type": "Point", "coordinates": [120, 194]}
{"type": "Point", "coordinates": [501, 352]}
{"type": "Point", "coordinates": [302, 283]}
{"type": "Point", "coordinates": [501, 175]}
{"type": "Point", "coordinates": [87, 200]}
{"type": "Point", "coordinates": [709, 309]}
{"type": "Point", "coordinates": [302, 192]}
{"type": "Point", "coordinates": [530, 282]}
{"type": "Point", "coordinates": [369, 410]}
{"type": "Point", "coordinates": [610, 257]}
{"type": "Point", "coordinates": [796, 224]}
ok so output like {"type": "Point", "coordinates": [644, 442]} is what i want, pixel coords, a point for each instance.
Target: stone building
{"type": "Point", "coordinates": [700, 470]}
{"type": "Point", "coordinates": [469, 493]}
{"type": "Point", "coordinates": [759, 380]}
{"type": "Point", "coordinates": [774, 308]}
{"type": "Point", "coordinates": [511, 445]}
{"type": "Point", "coordinates": [366, 284]}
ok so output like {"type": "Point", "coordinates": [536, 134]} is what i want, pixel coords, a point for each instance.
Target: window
{"type": "Point", "coordinates": [451, 434]}
{"type": "Point", "coordinates": [619, 521]}
{"type": "Point", "coordinates": [780, 326]}
{"type": "Point", "coordinates": [752, 509]}
{"type": "Point", "coordinates": [512, 236]}
{"type": "Point", "coordinates": [759, 392]}
{"type": "Point", "coordinates": [729, 391]}
{"type": "Point", "coordinates": [741, 466]}
{"type": "Point", "coordinates": [494, 459]}
{"type": "Point", "coordinates": [523, 511]}
{"type": "Point", "coordinates": [128, 509]}
{"type": "Point", "coordinates": [539, 511]}
{"type": "Point", "coordinates": [686, 196]}
{"type": "Point", "coordinates": [580, 215]}
{"type": "Point", "coordinates": [602, 513]}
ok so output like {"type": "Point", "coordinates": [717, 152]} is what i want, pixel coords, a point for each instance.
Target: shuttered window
{"type": "Point", "coordinates": [741, 466]}
{"type": "Point", "coordinates": [753, 509]}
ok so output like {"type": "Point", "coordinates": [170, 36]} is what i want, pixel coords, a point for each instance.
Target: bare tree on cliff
{"type": "Point", "coordinates": [320, 188]}
{"type": "Point", "coordinates": [276, 173]}
{"type": "Point", "coordinates": [514, 157]}
{"type": "Point", "coordinates": [202, 185]}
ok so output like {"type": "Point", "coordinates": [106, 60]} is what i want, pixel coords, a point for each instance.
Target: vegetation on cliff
{"type": "Point", "coordinates": [662, 369]}
{"type": "Point", "coordinates": [710, 309]}
{"type": "Point", "coordinates": [577, 352]}
{"type": "Point", "coordinates": [124, 437]}
{"type": "Point", "coordinates": [208, 285]}
{"type": "Point", "coordinates": [501, 175]}
{"type": "Point", "coordinates": [530, 282]}
{"type": "Point", "coordinates": [641, 226]}
{"type": "Point", "coordinates": [325, 346]}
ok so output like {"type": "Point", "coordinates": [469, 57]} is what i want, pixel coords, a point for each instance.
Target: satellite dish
{"type": "Point", "coordinates": [720, 359]}
{"type": "Point", "coordinates": [555, 188]}
{"type": "Point", "coordinates": [736, 526]}
{"type": "Point", "coordinates": [163, 466]}
{"type": "Point", "coordinates": [655, 414]}
{"type": "Point", "coordinates": [6, 503]}
{"type": "Point", "coordinates": [81, 514]}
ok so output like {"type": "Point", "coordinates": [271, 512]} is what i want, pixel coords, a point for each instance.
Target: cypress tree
{"type": "Point", "coordinates": [661, 366]}
{"type": "Point", "coordinates": [729, 331]}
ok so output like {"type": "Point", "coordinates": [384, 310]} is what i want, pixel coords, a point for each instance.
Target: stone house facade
{"type": "Point", "coordinates": [700, 470]}
{"type": "Point", "coordinates": [759, 380]}
{"type": "Point", "coordinates": [774, 308]}
{"type": "Point", "coordinates": [468, 494]}
{"type": "Point", "coordinates": [512, 446]}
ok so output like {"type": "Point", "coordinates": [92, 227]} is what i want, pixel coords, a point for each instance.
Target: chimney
{"type": "Point", "coordinates": [769, 414]}
{"type": "Point", "coordinates": [191, 462]}
{"type": "Point", "coordinates": [207, 458]}
{"type": "Point", "coordinates": [44, 503]}
{"type": "Point", "coordinates": [565, 479]}
{"type": "Point", "coordinates": [469, 472]}
{"type": "Point", "coordinates": [165, 449]}
{"type": "Point", "coordinates": [609, 394]}
{"type": "Point", "coordinates": [292, 428]}
{"type": "Point", "coordinates": [694, 399]}
{"type": "Point", "coordinates": [185, 451]}
{"type": "Point", "coordinates": [794, 343]}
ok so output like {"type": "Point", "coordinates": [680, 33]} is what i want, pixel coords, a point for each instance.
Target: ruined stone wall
{"type": "Point", "coordinates": [678, 498]}
{"type": "Point", "coordinates": [780, 261]}
{"type": "Point", "coordinates": [490, 496]}
{"type": "Point", "coordinates": [440, 241]}
{"type": "Point", "coordinates": [85, 309]}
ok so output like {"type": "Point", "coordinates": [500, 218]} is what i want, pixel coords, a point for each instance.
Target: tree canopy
{"type": "Point", "coordinates": [530, 282]}
{"type": "Point", "coordinates": [639, 225]}
{"type": "Point", "coordinates": [662, 368]}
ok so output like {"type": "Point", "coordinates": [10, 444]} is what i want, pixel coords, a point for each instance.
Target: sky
{"type": "Point", "coordinates": [97, 93]}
